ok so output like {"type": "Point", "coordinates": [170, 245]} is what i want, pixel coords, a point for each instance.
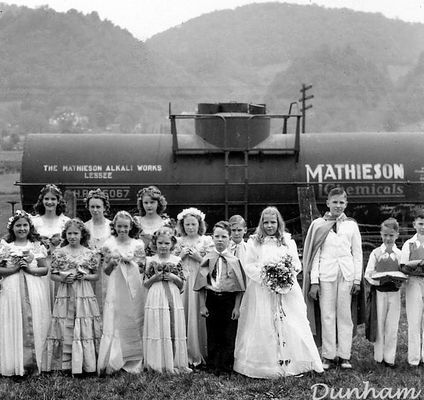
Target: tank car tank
{"type": "Point", "coordinates": [233, 163]}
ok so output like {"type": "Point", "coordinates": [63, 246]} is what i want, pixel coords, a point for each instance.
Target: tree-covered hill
{"type": "Point", "coordinates": [264, 52]}
{"type": "Point", "coordinates": [73, 72]}
{"type": "Point", "coordinates": [54, 63]}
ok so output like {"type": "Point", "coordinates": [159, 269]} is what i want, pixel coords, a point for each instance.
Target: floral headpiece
{"type": "Point", "coordinates": [151, 191]}
{"type": "Point", "coordinates": [98, 194]}
{"type": "Point", "coordinates": [191, 211]}
{"type": "Point", "coordinates": [18, 214]}
{"type": "Point", "coordinates": [50, 187]}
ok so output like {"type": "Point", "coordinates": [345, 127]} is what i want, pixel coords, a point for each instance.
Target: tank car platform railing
{"type": "Point", "coordinates": [177, 150]}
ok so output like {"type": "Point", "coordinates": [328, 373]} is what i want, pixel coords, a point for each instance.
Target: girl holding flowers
{"type": "Point", "coordinates": [151, 205]}
{"type": "Point", "coordinates": [75, 330]}
{"type": "Point", "coordinates": [24, 302]}
{"type": "Point", "coordinates": [49, 223]}
{"type": "Point", "coordinates": [121, 346]}
{"type": "Point", "coordinates": [192, 246]}
{"type": "Point", "coordinates": [97, 203]}
{"type": "Point", "coordinates": [273, 338]}
{"type": "Point", "coordinates": [164, 338]}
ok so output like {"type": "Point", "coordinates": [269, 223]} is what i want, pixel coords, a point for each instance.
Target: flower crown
{"type": "Point", "coordinates": [98, 193]}
{"type": "Point", "coordinates": [151, 191]}
{"type": "Point", "coordinates": [18, 214]}
{"type": "Point", "coordinates": [191, 211]}
{"type": "Point", "coordinates": [50, 187]}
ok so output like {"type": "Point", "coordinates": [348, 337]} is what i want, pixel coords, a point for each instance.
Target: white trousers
{"type": "Point", "coordinates": [336, 320]}
{"type": "Point", "coordinates": [388, 314]}
{"type": "Point", "coordinates": [414, 313]}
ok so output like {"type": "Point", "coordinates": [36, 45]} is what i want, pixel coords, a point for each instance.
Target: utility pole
{"type": "Point", "coordinates": [304, 106]}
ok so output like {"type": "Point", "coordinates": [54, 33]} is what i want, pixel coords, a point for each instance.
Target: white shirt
{"type": "Point", "coordinates": [405, 248]}
{"type": "Point", "coordinates": [340, 251]}
{"type": "Point", "coordinates": [376, 256]}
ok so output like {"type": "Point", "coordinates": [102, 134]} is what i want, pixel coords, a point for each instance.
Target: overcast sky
{"type": "Point", "coordinates": [144, 18]}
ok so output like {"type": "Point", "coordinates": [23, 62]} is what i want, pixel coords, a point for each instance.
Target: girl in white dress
{"type": "Point", "coordinates": [50, 220]}
{"type": "Point", "coordinates": [164, 334]}
{"type": "Point", "coordinates": [121, 346]}
{"type": "Point", "coordinates": [274, 338]}
{"type": "Point", "coordinates": [49, 223]}
{"type": "Point", "coordinates": [151, 205]}
{"type": "Point", "coordinates": [24, 302]}
{"type": "Point", "coordinates": [192, 246]}
{"type": "Point", "coordinates": [97, 203]}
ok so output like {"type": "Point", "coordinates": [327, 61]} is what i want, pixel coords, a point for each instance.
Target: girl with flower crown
{"type": "Point", "coordinates": [164, 335]}
{"type": "Point", "coordinates": [24, 302]}
{"type": "Point", "coordinates": [121, 346]}
{"type": "Point", "coordinates": [151, 205]}
{"type": "Point", "coordinates": [49, 223]}
{"type": "Point", "coordinates": [192, 246]}
{"type": "Point", "coordinates": [97, 202]}
{"type": "Point", "coordinates": [75, 330]}
{"type": "Point", "coordinates": [273, 337]}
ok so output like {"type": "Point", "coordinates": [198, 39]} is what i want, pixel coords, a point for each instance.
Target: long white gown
{"type": "Point", "coordinates": [98, 236]}
{"type": "Point", "coordinates": [195, 324]}
{"type": "Point", "coordinates": [24, 315]}
{"type": "Point", "coordinates": [121, 346]}
{"type": "Point", "coordinates": [47, 229]}
{"type": "Point", "coordinates": [274, 338]}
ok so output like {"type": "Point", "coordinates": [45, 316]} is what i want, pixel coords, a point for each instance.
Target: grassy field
{"type": "Point", "coordinates": [201, 385]}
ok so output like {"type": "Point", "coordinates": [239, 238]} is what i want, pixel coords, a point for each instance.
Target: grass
{"type": "Point", "coordinates": [201, 385]}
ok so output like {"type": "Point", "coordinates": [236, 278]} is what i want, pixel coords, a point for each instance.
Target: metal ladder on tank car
{"type": "Point", "coordinates": [227, 183]}
{"type": "Point", "coordinates": [177, 150]}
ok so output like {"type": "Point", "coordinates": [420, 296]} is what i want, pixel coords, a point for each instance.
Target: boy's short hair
{"type": "Point", "coordinates": [223, 225]}
{"type": "Point", "coordinates": [337, 191]}
{"type": "Point", "coordinates": [419, 213]}
{"type": "Point", "coordinates": [390, 223]}
{"type": "Point", "coordinates": [237, 219]}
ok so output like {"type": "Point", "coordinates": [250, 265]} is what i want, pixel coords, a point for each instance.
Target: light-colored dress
{"type": "Point", "coordinates": [274, 338]}
{"type": "Point", "coordinates": [98, 236]}
{"type": "Point", "coordinates": [24, 314]}
{"type": "Point", "coordinates": [121, 346]}
{"type": "Point", "coordinates": [75, 329]}
{"type": "Point", "coordinates": [164, 334]}
{"type": "Point", "coordinates": [47, 228]}
{"type": "Point", "coordinates": [147, 231]}
{"type": "Point", "coordinates": [196, 325]}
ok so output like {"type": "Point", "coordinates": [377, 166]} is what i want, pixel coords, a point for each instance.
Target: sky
{"type": "Point", "coordinates": [144, 18]}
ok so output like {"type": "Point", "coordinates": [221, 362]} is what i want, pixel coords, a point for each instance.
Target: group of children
{"type": "Point", "coordinates": [332, 261]}
{"type": "Point", "coordinates": [137, 293]}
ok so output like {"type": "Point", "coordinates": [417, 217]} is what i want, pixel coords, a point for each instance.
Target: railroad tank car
{"type": "Point", "coordinates": [232, 163]}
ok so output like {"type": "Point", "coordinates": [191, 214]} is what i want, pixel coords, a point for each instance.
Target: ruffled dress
{"type": "Point", "coordinates": [121, 346]}
{"type": "Point", "coordinates": [24, 314]}
{"type": "Point", "coordinates": [47, 229]}
{"type": "Point", "coordinates": [97, 239]}
{"type": "Point", "coordinates": [274, 338]}
{"type": "Point", "coordinates": [164, 334]}
{"type": "Point", "coordinates": [195, 324]}
{"type": "Point", "coordinates": [75, 330]}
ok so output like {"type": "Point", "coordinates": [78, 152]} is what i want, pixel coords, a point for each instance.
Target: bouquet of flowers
{"type": "Point", "coordinates": [279, 276]}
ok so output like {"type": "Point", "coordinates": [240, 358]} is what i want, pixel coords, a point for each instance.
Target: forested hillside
{"type": "Point", "coordinates": [70, 72]}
